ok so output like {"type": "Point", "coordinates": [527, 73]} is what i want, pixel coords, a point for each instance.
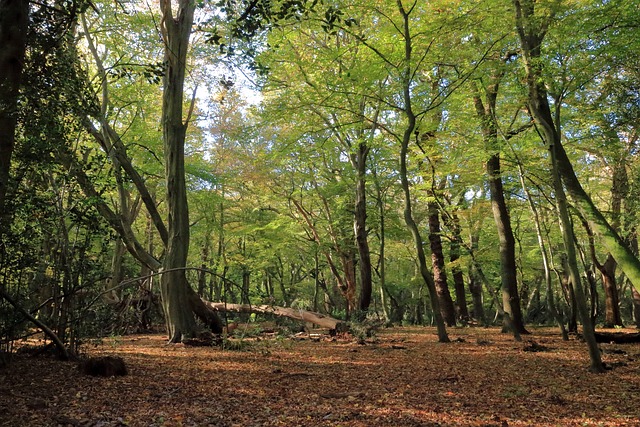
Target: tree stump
{"type": "Point", "coordinates": [107, 366]}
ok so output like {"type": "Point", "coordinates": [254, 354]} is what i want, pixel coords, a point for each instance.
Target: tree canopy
{"type": "Point", "coordinates": [401, 160]}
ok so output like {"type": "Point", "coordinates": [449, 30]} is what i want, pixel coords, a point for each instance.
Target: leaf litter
{"type": "Point", "coordinates": [403, 377]}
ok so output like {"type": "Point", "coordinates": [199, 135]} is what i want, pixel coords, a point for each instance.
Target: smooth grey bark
{"type": "Point", "coordinates": [14, 21]}
{"type": "Point", "coordinates": [176, 30]}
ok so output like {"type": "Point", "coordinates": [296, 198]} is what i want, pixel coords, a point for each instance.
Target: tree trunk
{"type": "Point", "coordinates": [620, 251]}
{"type": "Point", "coordinates": [14, 21]}
{"type": "Point", "coordinates": [381, 270]}
{"type": "Point", "coordinates": [117, 270]}
{"type": "Point", "coordinates": [475, 285]}
{"type": "Point", "coordinates": [408, 133]}
{"type": "Point", "coordinates": [619, 191]}
{"type": "Point", "coordinates": [492, 293]}
{"type": "Point", "coordinates": [475, 288]}
{"type": "Point", "coordinates": [635, 296]}
{"type": "Point", "coordinates": [202, 277]}
{"type": "Point", "coordinates": [545, 257]}
{"type": "Point", "coordinates": [508, 271]}
{"type": "Point", "coordinates": [64, 353]}
{"type": "Point", "coordinates": [347, 282]}
{"type": "Point", "coordinates": [531, 33]}
{"type": "Point", "coordinates": [437, 261]}
{"type": "Point", "coordinates": [462, 311]}
{"type": "Point", "coordinates": [111, 142]}
{"type": "Point", "coordinates": [173, 284]}
{"type": "Point", "coordinates": [612, 316]}
{"type": "Point", "coordinates": [293, 313]}
{"type": "Point", "coordinates": [572, 323]}
{"type": "Point", "coordinates": [360, 228]}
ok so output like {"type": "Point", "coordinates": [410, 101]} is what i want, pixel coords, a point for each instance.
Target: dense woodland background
{"type": "Point", "coordinates": [394, 160]}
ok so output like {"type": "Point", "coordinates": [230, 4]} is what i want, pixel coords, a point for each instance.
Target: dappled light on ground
{"type": "Point", "coordinates": [403, 378]}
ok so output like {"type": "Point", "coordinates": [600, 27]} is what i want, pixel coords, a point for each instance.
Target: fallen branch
{"type": "Point", "coordinates": [303, 315]}
{"type": "Point", "coordinates": [617, 337]}
{"type": "Point", "coordinates": [64, 353]}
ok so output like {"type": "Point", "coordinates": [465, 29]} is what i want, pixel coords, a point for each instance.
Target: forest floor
{"type": "Point", "coordinates": [403, 377]}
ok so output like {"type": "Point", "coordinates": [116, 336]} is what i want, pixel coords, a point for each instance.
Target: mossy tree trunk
{"type": "Point", "coordinates": [174, 287]}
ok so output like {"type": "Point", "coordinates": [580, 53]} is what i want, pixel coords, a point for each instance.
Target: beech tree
{"type": "Point", "coordinates": [485, 102]}
{"type": "Point", "coordinates": [531, 31]}
{"type": "Point", "coordinates": [358, 168]}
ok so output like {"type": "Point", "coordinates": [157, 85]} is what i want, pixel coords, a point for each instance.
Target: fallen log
{"type": "Point", "coordinates": [318, 319]}
{"type": "Point", "coordinates": [617, 337]}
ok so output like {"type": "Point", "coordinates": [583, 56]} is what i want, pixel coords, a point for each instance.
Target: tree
{"type": "Point", "coordinates": [410, 127]}
{"type": "Point", "coordinates": [14, 21]}
{"type": "Point", "coordinates": [485, 103]}
{"type": "Point", "coordinates": [175, 290]}
{"type": "Point", "coordinates": [531, 31]}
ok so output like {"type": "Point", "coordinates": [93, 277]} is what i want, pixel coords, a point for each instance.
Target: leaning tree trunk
{"type": "Point", "coordinates": [173, 284]}
{"type": "Point", "coordinates": [531, 32]}
{"type": "Point", "coordinates": [318, 319]}
{"type": "Point", "coordinates": [574, 273]}
{"type": "Point", "coordinates": [407, 76]}
{"type": "Point", "coordinates": [64, 352]}
{"type": "Point", "coordinates": [14, 21]}
{"type": "Point", "coordinates": [545, 258]}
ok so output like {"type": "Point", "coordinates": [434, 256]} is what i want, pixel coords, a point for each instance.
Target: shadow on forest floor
{"type": "Point", "coordinates": [402, 378]}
